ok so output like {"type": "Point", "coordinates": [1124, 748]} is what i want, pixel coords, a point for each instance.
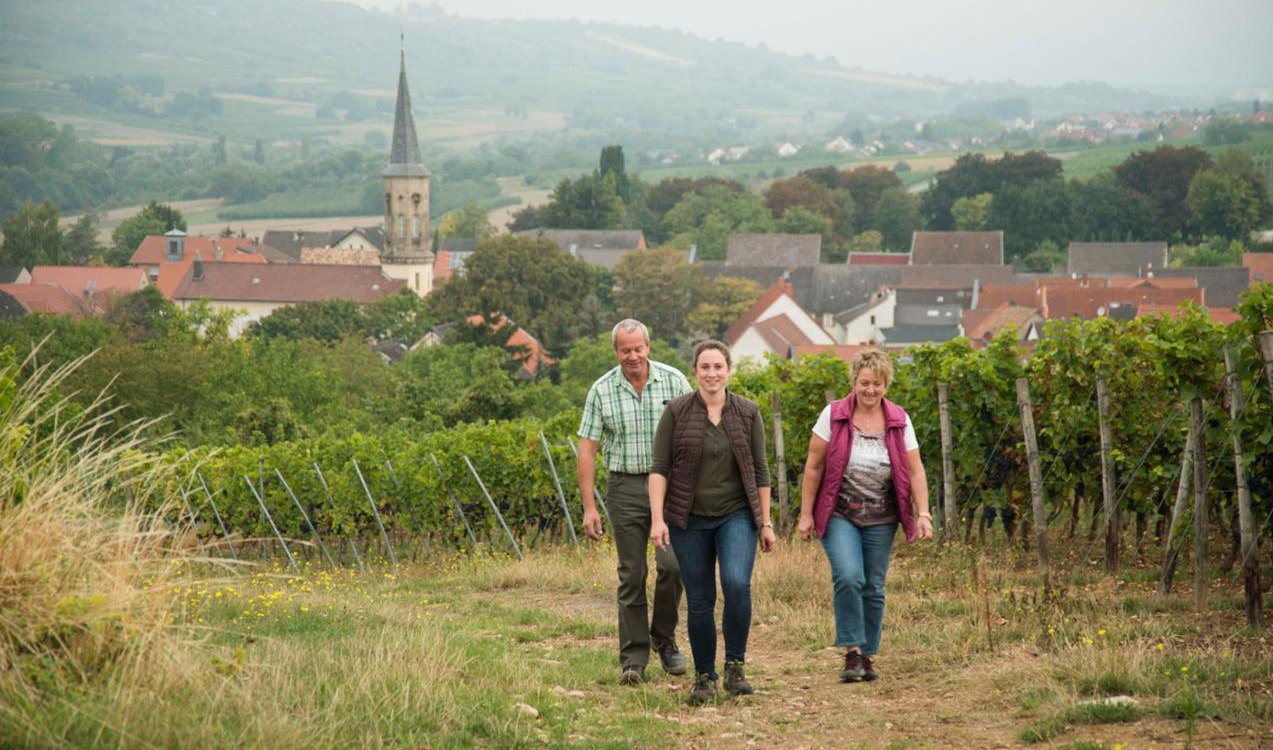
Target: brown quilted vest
{"type": "Point", "coordinates": [689, 414]}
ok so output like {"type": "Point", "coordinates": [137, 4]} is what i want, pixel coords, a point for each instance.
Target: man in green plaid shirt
{"type": "Point", "coordinates": [620, 416]}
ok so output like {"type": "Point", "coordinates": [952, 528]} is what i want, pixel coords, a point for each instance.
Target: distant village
{"type": "Point", "coordinates": [949, 284]}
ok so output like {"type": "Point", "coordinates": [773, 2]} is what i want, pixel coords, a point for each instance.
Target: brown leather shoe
{"type": "Point", "coordinates": [854, 667]}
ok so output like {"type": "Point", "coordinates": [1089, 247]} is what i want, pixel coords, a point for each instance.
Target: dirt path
{"type": "Point", "coordinates": [920, 701]}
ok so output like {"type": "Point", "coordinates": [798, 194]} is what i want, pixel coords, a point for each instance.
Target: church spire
{"type": "Point", "coordinates": [404, 157]}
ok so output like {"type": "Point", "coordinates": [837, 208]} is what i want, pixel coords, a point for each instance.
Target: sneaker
{"type": "Point", "coordinates": [854, 669]}
{"type": "Point", "coordinates": [868, 671]}
{"type": "Point", "coordinates": [735, 681]}
{"type": "Point", "coordinates": [633, 674]}
{"type": "Point", "coordinates": [704, 690]}
{"type": "Point", "coordinates": [670, 658]}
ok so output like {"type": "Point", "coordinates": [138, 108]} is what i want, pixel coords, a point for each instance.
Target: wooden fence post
{"type": "Point", "coordinates": [1246, 519]}
{"type": "Point", "coordinates": [1199, 508]}
{"type": "Point", "coordinates": [950, 515]}
{"type": "Point", "coordinates": [1036, 476]}
{"type": "Point", "coordinates": [1109, 482]}
{"type": "Point", "coordinates": [1172, 554]}
{"type": "Point", "coordinates": [1266, 353]}
{"type": "Point", "coordinates": [784, 522]}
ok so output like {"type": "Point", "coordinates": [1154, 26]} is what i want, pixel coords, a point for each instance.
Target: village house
{"type": "Point", "coordinates": [774, 324]}
{"type": "Point", "coordinates": [167, 258]}
{"type": "Point", "coordinates": [598, 247]}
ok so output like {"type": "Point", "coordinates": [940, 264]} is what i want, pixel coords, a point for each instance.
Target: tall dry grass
{"type": "Point", "coordinates": [84, 554]}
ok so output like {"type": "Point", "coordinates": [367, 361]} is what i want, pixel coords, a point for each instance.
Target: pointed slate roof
{"type": "Point", "coordinates": [404, 156]}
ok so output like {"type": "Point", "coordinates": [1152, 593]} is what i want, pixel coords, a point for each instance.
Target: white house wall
{"type": "Point", "coordinates": [785, 305]}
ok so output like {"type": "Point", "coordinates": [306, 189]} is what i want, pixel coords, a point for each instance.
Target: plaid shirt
{"type": "Point", "coordinates": [623, 422]}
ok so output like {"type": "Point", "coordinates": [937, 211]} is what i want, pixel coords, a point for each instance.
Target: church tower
{"type": "Point", "coordinates": [407, 254]}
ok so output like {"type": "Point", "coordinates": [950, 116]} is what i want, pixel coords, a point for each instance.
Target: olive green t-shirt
{"type": "Point", "coordinates": [718, 489]}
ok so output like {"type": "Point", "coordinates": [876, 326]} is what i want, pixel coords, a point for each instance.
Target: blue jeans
{"type": "Point", "coordinates": [731, 540]}
{"type": "Point", "coordinates": [859, 563]}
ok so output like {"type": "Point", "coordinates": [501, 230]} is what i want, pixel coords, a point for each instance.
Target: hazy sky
{"type": "Point", "coordinates": [1222, 45]}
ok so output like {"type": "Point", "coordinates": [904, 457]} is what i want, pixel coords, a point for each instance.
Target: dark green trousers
{"type": "Point", "coordinates": [629, 505]}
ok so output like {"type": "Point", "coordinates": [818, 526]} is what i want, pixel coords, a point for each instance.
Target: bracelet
{"type": "Point", "coordinates": [766, 526]}
{"type": "Point", "coordinates": [929, 516]}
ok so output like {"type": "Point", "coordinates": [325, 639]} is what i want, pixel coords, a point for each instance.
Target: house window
{"type": "Point", "coordinates": [417, 282]}
{"type": "Point", "coordinates": [934, 313]}
{"type": "Point", "coordinates": [415, 227]}
{"type": "Point", "coordinates": [402, 226]}
{"type": "Point", "coordinates": [872, 320]}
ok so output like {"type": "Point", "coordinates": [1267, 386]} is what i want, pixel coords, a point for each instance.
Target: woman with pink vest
{"type": "Point", "coordinates": [862, 479]}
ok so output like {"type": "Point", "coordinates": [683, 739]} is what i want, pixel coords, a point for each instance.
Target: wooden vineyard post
{"type": "Point", "coordinates": [1266, 354]}
{"type": "Point", "coordinates": [1246, 520]}
{"type": "Point", "coordinates": [1036, 477]}
{"type": "Point", "coordinates": [1199, 507]}
{"type": "Point", "coordinates": [950, 516]}
{"type": "Point", "coordinates": [784, 523]}
{"type": "Point", "coordinates": [1182, 497]}
{"type": "Point", "coordinates": [1109, 482]}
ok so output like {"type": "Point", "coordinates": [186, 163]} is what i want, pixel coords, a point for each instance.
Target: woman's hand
{"type": "Point", "coordinates": [806, 527]}
{"type": "Point", "coordinates": [659, 534]}
{"type": "Point", "coordinates": [924, 527]}
{"type": "Point", "coordinates": [767, 538]}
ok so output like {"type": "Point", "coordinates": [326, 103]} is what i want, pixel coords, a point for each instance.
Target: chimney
{"type": "Point", "coordinates": [218, 253]}
{"type": "Point", "coordinates": [198, 267]}
{"type": "Point", "coordinates": [1083, 280]}
{"type": "Point", "coordinates": [90, 287]}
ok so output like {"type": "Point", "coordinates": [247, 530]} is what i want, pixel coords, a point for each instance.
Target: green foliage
{"type": "Point", "coordinates": [586, 202]}
{"type": "Point", "coordinates": [32, 237]}
{"type": "Point", "coordinates": [707, 219]}
{"type": "Point", "coordinates": [469, 220]}
{"type": "Point", "coordinates": [531, 280]}
{"type": "Point", "coordinates": [1162, 178]}
{"type": "Point", "coordinates": [1045, 258]}
{"type": "Point", "coordinates": [328, 321]}
{"type": "Point", "coordinates": [1225, 204]}
{"type": "Point", "coordinates": [897, 218]}
{"type": "Point", "coordinates": [974, 174]}
{"type": "Point", "coordinates": [1226, 131]}
{"type": "Point", "coordinates": [659, 288]}
{"type": "Point", "coordinates": [972, 213]}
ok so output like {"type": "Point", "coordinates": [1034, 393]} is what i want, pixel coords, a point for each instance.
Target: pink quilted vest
{"type": "Point", "coordinates": [838, 450]}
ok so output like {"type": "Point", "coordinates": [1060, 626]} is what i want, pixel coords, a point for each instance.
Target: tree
{"type": "Point", "coordinates": [328, 321]}
{"type": "Point", "coordinates": [586, 202]}
{"type": "Point", "coordinates": [155, 218]}
{"type": "Point", "coordinates": [1226, 131]}
{"type": "Point", "coordinates": [527, 217]}
{"type": "Point", "coordinates": [1106, 212]}
{"type": "Point", "coordinates": [663, 197]}
{"type": "Point", "coordinates": [592, 357]}
{"type": "Point", "coordinates": [258, 151]}
{"type": "Point", "coordinates": [403, 317]}
{"type": "Point", "coordinates": [783, 195]}
{"type": "Point", "coordinates": [32, 236]}
{"type": "Point", "coordinates": [531, 280]}
{"type": "Point", "coordinates": [1031, 215]}
{"type": "Point", "coordinates": [612, 163]}
{"type": "Point", "coordinates": [1045, 258]}
{"type": "Point", "coordinates": [1224, 205]}
{"type": "Point", "coordinates": [658, 288]}
{"type": "Point", "coordinates": [972, 213]}
{"type": "Point", "coordinates": [80, 245]}
{"type": "Point", "coordinates": [897, 218]}
{"type": "Point", "coordinates": [459, 383]}
{"type": "Point", "coordinates": [800, 220]}
{"type": "Point", "coordinates": [973, 174]}
{"type": "Point", "coordinates": [469, 220]}
{"type": "Point", "coordinates": [725, 300]}
{"type": "Point", "coordinates": [1162, 178]}
{"type": "Point", "coordinates": [143, 315]}
{"type": "Point", "coordinates": [870, 241]}
{"type": "Point", "coordinates": [867, 184]}
{"type": "Point", "coordinates": [707, 219]}
{"type": "Point", "coordinates": [218, 151]}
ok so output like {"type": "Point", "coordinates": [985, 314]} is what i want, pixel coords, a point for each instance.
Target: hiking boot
{"type": "Point", "coordinates": [735, 681]}
{"type": "Point", "coordinates": [704, 690]}
{"type": "Point", "coordinates": [854, 669]}
{"type": "Point", "coordinates": [633, 674]}
{"type": "Point", "coordinates": [868, 671]}
{"type": "Point", "coordinates": [670, 658]}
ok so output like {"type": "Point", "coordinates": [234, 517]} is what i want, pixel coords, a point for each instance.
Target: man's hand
{"type": "Point", "coordinates": [659, 534]}
{"type": "Point", "coordinates": [592, 524]}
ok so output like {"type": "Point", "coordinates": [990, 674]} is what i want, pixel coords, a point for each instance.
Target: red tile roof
{"type": "Point", "coordinates": [153, 252]}
{"type": "Point", "coordinates": [286, 284]}
{"type": "Point", "coordinates": [1093, 302]}
{"type": "Point", "coordinates": [49, 299]}
{"type": "Point", "coordinates": [771, 295]}
{"type": "Point", "coordinates": [782, 334]}
{"type": "Point", "coordinates": [845, 352]}
{"type": "Point", "coordinates": [1157, 282]}
{"type": "Point", "coordinates": [90, 279]}
{"type": "Point", "coordinates": [986, 324]}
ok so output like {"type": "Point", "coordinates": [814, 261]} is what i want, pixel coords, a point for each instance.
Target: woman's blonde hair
{"type": "Point", "coordinates": [877, 362]}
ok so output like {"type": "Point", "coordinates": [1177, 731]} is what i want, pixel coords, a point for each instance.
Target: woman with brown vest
{"type": "Point", "coordinates": [710, 485]}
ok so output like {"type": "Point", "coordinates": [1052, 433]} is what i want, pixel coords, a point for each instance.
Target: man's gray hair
{"type": "Point", "coordinates": [628, 325]}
